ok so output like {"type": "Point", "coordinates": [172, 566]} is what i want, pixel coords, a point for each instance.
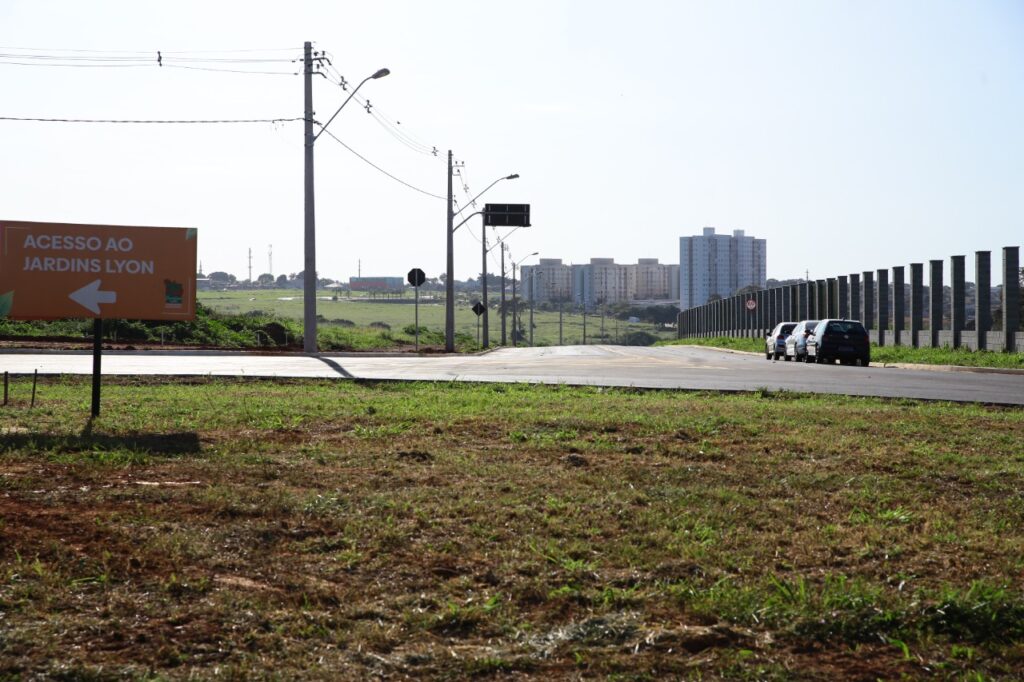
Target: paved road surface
{"type": "Point", "coordinates": [687, 367]}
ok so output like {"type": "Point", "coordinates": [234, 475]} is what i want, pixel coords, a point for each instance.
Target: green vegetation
{"type": "Point", "coordinates": [888, 354]}
{"type": "Point", "coordinates": [286, 304]}
{"type": "Point", "coordinates": [297, 529]}
{"type": "Point", "coordinates": [251, 329]}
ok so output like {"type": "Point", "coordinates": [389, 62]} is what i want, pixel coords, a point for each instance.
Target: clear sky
{"type": "Point", "coordinates": [850, 135]}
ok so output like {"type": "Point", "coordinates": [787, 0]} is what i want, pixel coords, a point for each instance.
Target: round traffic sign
{"type": "Point", "coordinates": [751, 304]}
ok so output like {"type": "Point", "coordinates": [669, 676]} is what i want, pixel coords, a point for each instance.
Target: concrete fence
{"type": "Point", "coordinates": [868, 297]}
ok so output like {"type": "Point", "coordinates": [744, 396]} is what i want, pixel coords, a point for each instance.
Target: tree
{"type": "Point", "coordinates": [222, 277]}
{"type": "Point", "coordinates": [282, 280]}
{"type": "Point", "coordinates": [266, 279]}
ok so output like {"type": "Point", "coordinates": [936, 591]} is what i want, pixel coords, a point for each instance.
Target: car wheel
{"type": "Point", "coordinates": [787, 358]}
{"type": "Point", "coordinates": [864, 362]}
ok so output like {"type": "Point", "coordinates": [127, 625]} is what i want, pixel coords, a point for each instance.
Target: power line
{"type": "Point", "coordinates": [371, 163]}
{"type": "Point", "coordinates": [121, 120]}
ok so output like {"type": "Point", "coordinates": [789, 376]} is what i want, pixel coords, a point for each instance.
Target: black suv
{"type": "Point", "coordinates": [845, 340]}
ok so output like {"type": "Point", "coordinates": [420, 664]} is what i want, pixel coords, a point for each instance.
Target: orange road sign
{"type": "Point", "coordinates": [55, 270]}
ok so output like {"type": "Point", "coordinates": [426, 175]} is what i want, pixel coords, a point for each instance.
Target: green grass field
{"type": "Point", "coordinates": [363, 312]}
{"type": "Point", "coordinates": [888, 354]}
{"type": "Point", "coordinates": [339, 530]}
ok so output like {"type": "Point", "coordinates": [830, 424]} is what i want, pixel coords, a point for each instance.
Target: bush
{"type": "Point", "coordinates": [639, 338]}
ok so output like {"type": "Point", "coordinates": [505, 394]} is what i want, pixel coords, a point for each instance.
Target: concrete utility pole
{"type": "Point", "coordinates": [449, 284]}
{"type": "Point", "coordinates": [504, 338]}
{"type": "Point", "coordinates": [309, 344]}
{"type": "Point", "coordinates": [483, 281]}
{"type": "Point", "coordinates": [309, 274]}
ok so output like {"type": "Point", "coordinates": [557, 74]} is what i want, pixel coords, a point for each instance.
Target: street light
{"type": "Point", "coordinates": [515, 306]}
{"type": "Point", "coordinates": [449, 288]}
{"type": "Point", "coordinates": [309, 344]}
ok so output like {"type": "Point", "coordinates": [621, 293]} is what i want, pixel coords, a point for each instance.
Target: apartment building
{"type": "Point", "coordinates": [600, 281]}
{"type": "Point", "coordinates": [719, 265]}
{"type": "Point", "coordinates": [548, 281]}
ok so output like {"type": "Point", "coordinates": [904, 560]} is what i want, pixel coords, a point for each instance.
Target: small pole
{"type": "Point", "coordinates": [584, 324]}
{"type": "Point", "coordinates": [35, 377]}
{"type": "Point", "coordinates": [417, 318]}
{"type": "Point", "coordinates": [560, 341]}
{"type": "Point", "coordinates": [5, 388]}
{"type": "Point", "coordinates": [97, 352]}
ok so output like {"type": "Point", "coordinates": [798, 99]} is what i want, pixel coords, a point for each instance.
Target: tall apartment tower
{"type": "Point", "coordinates": [719, 265]}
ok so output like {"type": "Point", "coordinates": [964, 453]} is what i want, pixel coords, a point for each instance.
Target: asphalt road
{"type": "Point", "coordinates": [684, 367]}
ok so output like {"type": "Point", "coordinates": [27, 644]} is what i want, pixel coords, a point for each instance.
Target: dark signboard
{"type": "Point", "coordinates": [507, 215]}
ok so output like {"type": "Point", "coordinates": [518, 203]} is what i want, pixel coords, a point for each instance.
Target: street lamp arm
{"type": "Point", "coordinates": [379, 74]}
{"type": "Point", "coordinates": [470, 202]}
{"type": "Point", "coordinates": [466, 219]}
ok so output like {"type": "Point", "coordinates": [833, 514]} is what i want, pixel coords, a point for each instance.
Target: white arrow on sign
{"type": "Point", "coordinates": [90, 297]}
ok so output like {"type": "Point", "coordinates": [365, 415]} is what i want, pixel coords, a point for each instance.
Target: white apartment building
{"type": "Point", "coordinates": [602, 280]}
{"type": "Point", "coordinates": [548, 281]}
{"type": "Point", "coordinates": [717, 264]}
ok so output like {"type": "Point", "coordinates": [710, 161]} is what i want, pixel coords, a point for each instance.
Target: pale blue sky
{"type": "Point", "coordinates": [850, 135]}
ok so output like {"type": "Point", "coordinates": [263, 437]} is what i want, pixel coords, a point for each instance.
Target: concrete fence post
{"type": "Point", "coordinates": [982, 297]}
{"type": "Point", "coordinates": [868, 299]}
{"type": "Point", "coordinates": [855, 312]}
{"type": "Point", "coordinates": [842, 294]}
{"type": "Point", "coordinates": [957, 299]}
{"type": "Point", "coordinates": [794, 308]}
{"type": "Point", "coordinates": [882, 304]}
{"type": "Point", "coordinates": [916, 303]}
{"type": "Point", "coordinates": [935, 308]}
{"type": "Point", "coordinates": [822, 296]}
{"type": "Point", "coordinates": [1011, 297]}
{"type": "Point", "coordinates": [831, 297]}
{"type": "Point", "coordinates": [899, 312]}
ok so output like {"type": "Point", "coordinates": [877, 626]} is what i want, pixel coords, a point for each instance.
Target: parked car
{"type": "Point", "coordinates": [775, 343]}
{"type": "Point", "coordinates": [843, 340]}
{"type": "Point", "coordinates": [796, 343]}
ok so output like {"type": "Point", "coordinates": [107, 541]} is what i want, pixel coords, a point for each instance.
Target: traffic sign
{"type": "Point", "coordinates": [416, 277]}
{"type": "Point", "coordinates": [507, 215]}
{"type": "Point", "coordinates": [751, 304]}
{"type": "Point", "coordinates": [478, 308]}
{"type": "Point", "coordinates": [57, 270]}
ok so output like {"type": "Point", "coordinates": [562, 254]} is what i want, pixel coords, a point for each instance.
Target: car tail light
{"type": "Point", "coordinates": [781, 337]}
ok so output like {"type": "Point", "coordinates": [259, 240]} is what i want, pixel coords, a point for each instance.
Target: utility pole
{"type": "Point", "coordinates": [309, 344]}
{"type": "Point", "coordinates": [560, 337]}
{"type": "Point", "coordinates": [449, 283]}
{"type": "Point", "coordinates": [533, 297]}
{"type": "Point", "coordinates": [483, 280]}
{"type": "Point", "coordinates": [270, 258]}
{"type": "Point", "coordinates": [584, 323]}
{"type": "Point", "coordinates": [504, 338]}
{"type": "Point", "coordinates": [250, 266]}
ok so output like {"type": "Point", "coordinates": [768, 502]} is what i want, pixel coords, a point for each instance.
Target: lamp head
{"type": "Point", "coordinates": [513, 176]}
{"type": "Point", "coordinates": [381, 73]}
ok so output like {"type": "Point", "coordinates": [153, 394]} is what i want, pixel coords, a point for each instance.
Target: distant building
{"type": "Point", "coordinates": [377, 285]}
{"type": "Point", "coordinates": [548, 281]}
{"type": "Point", "coordinates": [600, 281]}
{"type": "Point", "coordinates": [719, 265]}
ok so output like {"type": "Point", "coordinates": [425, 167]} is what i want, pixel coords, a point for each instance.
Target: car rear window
{"type": "Point", "coordinates": [853, 328]}
{"type": "Point", "coordinates": [787, 328]}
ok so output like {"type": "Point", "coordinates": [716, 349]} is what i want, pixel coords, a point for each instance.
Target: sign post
{"type": "Point", "coordinates": [478, 309]}
{"type": "Point", "coordinates": [52, 271]}
{"type": "Point", "coordinates": [416, 278]}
